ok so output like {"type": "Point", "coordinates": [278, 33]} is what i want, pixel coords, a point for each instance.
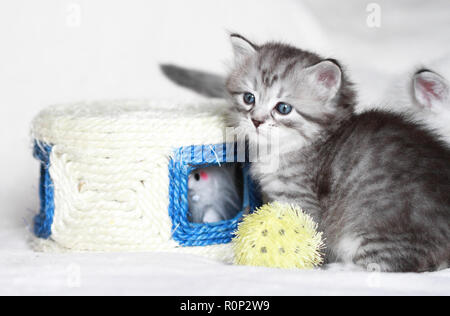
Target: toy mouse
{"type": "Point", "coordinates": [213, 194]}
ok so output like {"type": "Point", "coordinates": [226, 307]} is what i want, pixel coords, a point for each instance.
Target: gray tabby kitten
{"type": "Point", "coordinates": [378, 184]}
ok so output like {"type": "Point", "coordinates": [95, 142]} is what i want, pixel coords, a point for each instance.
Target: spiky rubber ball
{"type": "Point", "coordinates": [280, 236]}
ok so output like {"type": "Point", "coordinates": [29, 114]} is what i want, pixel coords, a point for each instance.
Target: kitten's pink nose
{"type": "Point", "coordinates": [257, 123]}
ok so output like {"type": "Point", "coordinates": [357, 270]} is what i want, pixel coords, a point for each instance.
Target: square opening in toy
{"type": "Point", "coordinates": [209, 191]}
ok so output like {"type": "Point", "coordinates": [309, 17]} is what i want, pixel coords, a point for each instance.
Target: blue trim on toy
{"type": "Point", "coordinates": [184, 161]}
{"type": "Point", "coordinates": [44, 220]}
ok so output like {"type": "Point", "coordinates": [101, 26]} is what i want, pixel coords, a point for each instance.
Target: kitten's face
{"type": "Point", "coordinates": [283, 91]}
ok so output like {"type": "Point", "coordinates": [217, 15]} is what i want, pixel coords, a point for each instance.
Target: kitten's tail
{"type": "Point", "coordinates": [206, 84]}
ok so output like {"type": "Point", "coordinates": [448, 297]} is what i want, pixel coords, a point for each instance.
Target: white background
{"type": "Point", "coordinates": [50, 54]}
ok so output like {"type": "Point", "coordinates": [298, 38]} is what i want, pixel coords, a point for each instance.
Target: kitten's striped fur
{"type": "Point", "coordinates": [378, 184]}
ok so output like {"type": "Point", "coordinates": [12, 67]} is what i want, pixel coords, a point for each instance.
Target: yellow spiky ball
{"type": "Point", "coordinates": [280, 236]}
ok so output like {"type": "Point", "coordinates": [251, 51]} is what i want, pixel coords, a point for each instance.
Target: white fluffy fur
{"type": "Point", "coordinates": [403, 96]}
{"type": "Point", "coordinates": [348, 247]}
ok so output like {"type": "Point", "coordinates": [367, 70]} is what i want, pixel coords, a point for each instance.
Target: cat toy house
{"type": "Point", "coordinates": [114, 177]}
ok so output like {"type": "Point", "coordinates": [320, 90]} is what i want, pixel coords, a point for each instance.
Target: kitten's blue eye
{"type": "Point", "coordinates": [249, 98]}
{"type": "Point", "coordinates": [283, 108]}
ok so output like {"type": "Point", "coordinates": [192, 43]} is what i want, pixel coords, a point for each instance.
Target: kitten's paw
{"type": "Point", "coordinates": [342, 267]}
{"type": "Point", "coordinates": [211, 216]}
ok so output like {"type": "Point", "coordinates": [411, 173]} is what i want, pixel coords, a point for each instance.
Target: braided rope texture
{"type": "Point", "coordinates": [186, 160]}
{"type": "Point", "coordinates": [107, 169]}
{"type": "Point", "coordinates": [43, 221]}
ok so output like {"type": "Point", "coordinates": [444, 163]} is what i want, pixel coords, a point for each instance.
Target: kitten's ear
{"type": "Point", "coordinates": [429, 88]}
{"type": "Point", "coordinates": [242, 47]}
{"type": "Point", "coordinates": [325, 78]}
